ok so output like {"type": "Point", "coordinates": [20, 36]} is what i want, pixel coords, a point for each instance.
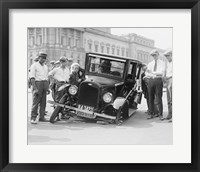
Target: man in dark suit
{"type": "Point", "coordinates": [155, 71]}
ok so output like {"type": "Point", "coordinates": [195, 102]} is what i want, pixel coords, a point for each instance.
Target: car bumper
{"type": "Point", "coordinates": [95, 114]}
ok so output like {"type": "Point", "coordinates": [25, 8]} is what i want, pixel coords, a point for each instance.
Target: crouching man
{"type": "Point", "coordinates": [60, 76]}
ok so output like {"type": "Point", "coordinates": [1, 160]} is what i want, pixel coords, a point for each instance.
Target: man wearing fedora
{"type": "Point", "coordinates": [40, 86]}
{"type": "Point", "coordinates": [155, 72]}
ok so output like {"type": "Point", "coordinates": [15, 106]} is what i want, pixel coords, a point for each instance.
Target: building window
{"type": "Point", "coordinates": [39, 40]}
{"type": "Point", "coordinates": [31, 43]}
{"type": "Point", "coordinates": [139, 56]}
{"type": "Point", "coordinates": [118, 51]}
{"type": "Point", "coordinates": [90, 46]}
{"type": "Point", "coordinates": [77, 37]}
{"type": "Point", "coordinates": [146, 58]}
{"type": "Point", "coordinates": [96, 48]}
{"type": "Point", "coordinates": [126, 53]}
{"type": "Point", "coordinates": [102, 49]}
{"type": "Point", "coordinates": [122, 52]}
{"type": "Point", "coordinates": [142, 59]}
{"type": "Point", "coordinates": [71, 32]}
{"type": "Point", "coordinates": [108, 50]}
{"type": "Point", "coordinates": [38, 31]}
{"type": "Point", "coordinates": [77, 42]}
{"type": "Point", "coordinates": [63, 41]}
{"type": "Point", "coordinates": [71, 42]}
{"type": "Point", "coordinates": [113, 50]}
{"type": "Point", "coordinates": [78, 34]}
{"type": "Point", "coordinates": [31, 31]}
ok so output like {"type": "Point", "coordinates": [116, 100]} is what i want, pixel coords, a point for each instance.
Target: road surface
{"type": "Point", "coordinates": [137, 130]}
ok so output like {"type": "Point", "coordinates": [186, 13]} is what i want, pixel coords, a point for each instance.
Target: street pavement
{"type": "Point", "coordinates": [137, 130]}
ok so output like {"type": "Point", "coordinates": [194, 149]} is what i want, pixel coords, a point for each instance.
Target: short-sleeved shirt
{"type": "Point", "coordinates": [39, 72]}
{"type": "Point", "coordinates": [160, 66]}
{"type": "Point", "coordinates": [169, 70]}
{"type": "Point", "coordinates": [60, 74]}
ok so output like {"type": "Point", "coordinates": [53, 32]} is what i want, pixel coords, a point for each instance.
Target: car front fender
{"type": "Point", "coordinates": [119, 101]}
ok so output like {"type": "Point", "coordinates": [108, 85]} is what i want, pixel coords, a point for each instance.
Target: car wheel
{"type": "Point", "coordinates": [122, 113]}
{"type": "Point", "coordinates": [133, 105]}
{"type": "Point", "coordinates": [57, 110]}
{"type": "Point", "coordinates": [125, 110]}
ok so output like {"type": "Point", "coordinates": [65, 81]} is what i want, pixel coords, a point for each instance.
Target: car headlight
{"type": "Point", "coordinates": [107, 97]}
{"type": "Point", "coordinates": [73, 90]}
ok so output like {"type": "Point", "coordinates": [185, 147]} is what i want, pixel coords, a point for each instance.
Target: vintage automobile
{"type": "Point", "coordinates": [110, 92]}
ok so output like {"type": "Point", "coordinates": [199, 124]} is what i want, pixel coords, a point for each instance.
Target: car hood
{"type": "Point", "coordinates": [102, 81]}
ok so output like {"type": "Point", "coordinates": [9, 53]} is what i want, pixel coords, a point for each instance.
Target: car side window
{"type": "Point", "coordinates": [107, 66]}
{"type": "Point", "coordinates": [138, 71]}
{"type": "Point", "coordinates": [132, 71]}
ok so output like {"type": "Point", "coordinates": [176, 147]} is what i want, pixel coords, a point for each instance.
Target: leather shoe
{"type": "Point", "coordinates": [33, 121]}
{"type": "Point", "coordinates": [161, 118]}
{"type": "Point", "coordinates": [43, 120]}
{"type": "Point", "coordinates": [150, 117]}
{"type": "Point", "coordinates": [170, 120]}
{"type": "Point", "coordinates": [167, 118]}
{"type": "Point", "coordinates": [156, 115]}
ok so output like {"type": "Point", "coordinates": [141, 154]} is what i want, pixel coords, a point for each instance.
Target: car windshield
{"type": "Point", "coordinates": [107, 66]}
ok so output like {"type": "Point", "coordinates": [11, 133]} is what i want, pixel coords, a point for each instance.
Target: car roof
{"type": "Point", "coordinates": [115, 56]}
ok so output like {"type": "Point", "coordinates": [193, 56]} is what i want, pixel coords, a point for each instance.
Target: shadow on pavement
{"type": "Point", "coordinates": [137, 120]}
{"type": "Point", "coordinates": [33, 138]}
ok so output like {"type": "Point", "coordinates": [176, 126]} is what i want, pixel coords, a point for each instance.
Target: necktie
{"type": "Point", "coordinates": [155, 66]}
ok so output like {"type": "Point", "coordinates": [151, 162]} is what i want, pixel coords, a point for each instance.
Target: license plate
{"type": "Point", "coordinates": [86, 115]}
{"type": "Point", "coordinates": [84, 107]}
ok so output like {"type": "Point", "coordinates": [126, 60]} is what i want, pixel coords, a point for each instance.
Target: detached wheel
{"type": "Point", "coordinates": [57, 110]}
{"type": "Point", "coordinates": [122, 113]}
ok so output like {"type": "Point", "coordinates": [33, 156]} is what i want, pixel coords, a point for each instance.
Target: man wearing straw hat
{"type": "Point", "coordinates": [168, 81]}
{"type": "Point", "coordinates": [155, 71]}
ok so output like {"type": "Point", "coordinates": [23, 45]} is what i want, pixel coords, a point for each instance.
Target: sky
{"type": "Point", "coordinates": [161, 36]}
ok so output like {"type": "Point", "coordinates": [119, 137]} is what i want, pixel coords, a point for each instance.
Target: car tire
{"type": "Point", "coordinates": [133, 105]}
{"type": "Point", "coordinates": [57, 110]}
{"type": "Point", "coordinates": [122, 113]}
{"type": "Point", "coordinates": [125, 110]}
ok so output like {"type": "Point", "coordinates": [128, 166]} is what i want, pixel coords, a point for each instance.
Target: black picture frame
{"type": "Point", "coordinates": [5, 5]}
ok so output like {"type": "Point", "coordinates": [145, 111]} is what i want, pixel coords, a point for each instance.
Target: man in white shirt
{"type": "Point", "coordinates": [39, 80]}
{"type": "Point", "coordinates": [155, 72]}
{"type": "Point", "coordinates": [51, 82]}
{"type": "Point", "coordinates": [60, 75]}
{"type": "Point", "coordinates": [52, 63]}
{"type": "Point", "coordinates": [168, 80]}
